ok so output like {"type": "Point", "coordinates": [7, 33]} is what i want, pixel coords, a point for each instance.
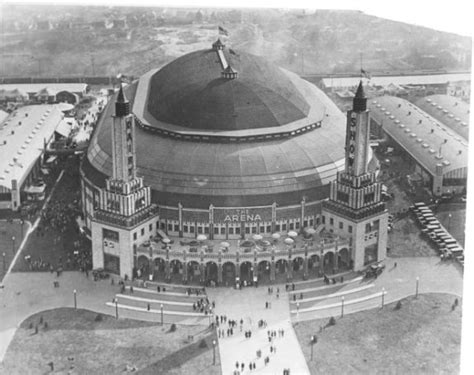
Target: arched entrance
{"type": "Point", "coordinates": [329, 263]}
{"type": "Point", "coordinates": [264, 272]}
{"type": "Point", "coordinates": [281, 269]}
{"type": "Point", "coordinates": [246, 272]}
{"type": "Point", "coordinates": [313, 264]}
{"type": "Point", "coordinates": [344, 259]}
{"type": "Point", "coordinates": [298, 268]}
{"type": "Point", "coordinates": [228, 273]}
{"type": "Point", "coordinates": [194, 272]}
{"type": "Point", "coordinates": [143, 266]}
{"type": "Point", "coordinates": [160, 267]}
{"type": "Point", "coordinates": [176, 271]}
{"type": "Point", "coordinates": [210, 272]}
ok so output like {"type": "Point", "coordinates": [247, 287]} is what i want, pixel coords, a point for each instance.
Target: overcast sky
{"type": "Point", "coordinates": [453, 15]}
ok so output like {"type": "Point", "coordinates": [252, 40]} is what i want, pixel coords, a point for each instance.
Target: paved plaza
{"type": "Point", "coordinates": [27, 293]}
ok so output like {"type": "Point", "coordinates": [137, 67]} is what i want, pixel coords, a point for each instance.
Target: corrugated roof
{"type": "Point", "coordinates": [451, 111]}
{"type": "Point", "coordinates": [420, 134]}
{"type": "Point", "coordinates": [24, 136]}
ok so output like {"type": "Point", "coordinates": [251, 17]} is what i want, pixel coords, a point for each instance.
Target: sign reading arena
{"type": "Point", "coordinates": [243, 215]}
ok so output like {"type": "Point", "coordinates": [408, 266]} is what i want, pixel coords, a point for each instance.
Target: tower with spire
{"type": "Point", "coordinates": [124, 216]}
{"type": "Point", "coordinates": [355, 208]}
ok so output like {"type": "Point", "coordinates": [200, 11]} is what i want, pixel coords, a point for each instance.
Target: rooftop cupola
{"type": "Point", "coordinates": [218, 45]}
{"type": "Point", "coordinates": [122, 105]}
{"type": "Point", "coordinates": [229, 73]}
{"type": "Point", "coordinates": [359, 103]}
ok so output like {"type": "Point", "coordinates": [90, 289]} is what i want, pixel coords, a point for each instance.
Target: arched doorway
{"type": "Point", "coordinates": [210, 272]}
{"type": "Point", "coordinates": [194, 272]}
{"type": "Point", "coordinates": [228, 273]}
{"type": "Point", "coordinates": [328, 262]}
{"type": "Point", "coordinates": [298, 267]}
{"type": "Point", "coordinates": [176, 271]}
{"type": "Point", "coordinates": [246, 272]}
{"type": "Point", "coordinates": [160, 267]}
{"type": "Point", "coordinates": [281, 269]}
{"type": "Point", "coordinates": [313, 264]}
{"type": "Point", "coordinates": [344, 258]}
{"type": "Point", "coordinates": [264, 271]}
{"type": "Point", "coordinates": [143, 266]}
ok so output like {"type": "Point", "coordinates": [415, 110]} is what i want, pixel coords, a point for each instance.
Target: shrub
{"type": "Point", "coordinates": [332, 321]}
{"type": "Point", "coordinates": [173, 327]}
{"type": "Point", "coordinates": [398, 306]}
{"type": "Point", "coordinates": [98, 318]}
{"type": "Point", "coordinates": [203, 344]}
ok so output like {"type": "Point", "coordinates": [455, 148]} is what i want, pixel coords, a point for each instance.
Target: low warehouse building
{"type": "Point", "coordinates": [434, 150]}
{"type": "Point", "coordinates": [451, 111]}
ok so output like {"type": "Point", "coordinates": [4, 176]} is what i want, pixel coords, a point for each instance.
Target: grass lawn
{"type": "Point", "coordinates": [422, 337]}
{"type": "Point", "coordinates": [74, 339]}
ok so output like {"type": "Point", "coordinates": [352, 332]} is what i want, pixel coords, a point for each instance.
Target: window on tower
{"type": "Point", "coordinates": [369, 197]}
{"type": "Point", "coordinates": [342, 197]}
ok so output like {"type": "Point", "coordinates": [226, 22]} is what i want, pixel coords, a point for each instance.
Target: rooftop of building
{"type": "Point", "coordinates": [191, 93]}
{"type": "Point", "coordinates": [426, 139]}
{"type": "Point", "coordinates": [428, 79]}
{"type": "Point", "coordinates": [33, 88]}
{"type": "Point", "coordinates": [22, 136]}
{"type": "Point", "coordinates": [451, 111]}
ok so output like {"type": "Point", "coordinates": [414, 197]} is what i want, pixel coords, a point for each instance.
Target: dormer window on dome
{"type": "Point", "coordinates": [218, 45]}
{"type": "Point", "coordinates": [229, 73]}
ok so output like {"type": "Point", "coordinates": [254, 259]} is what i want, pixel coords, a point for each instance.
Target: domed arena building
{"type": "Point", "coordinates": [228, 145]}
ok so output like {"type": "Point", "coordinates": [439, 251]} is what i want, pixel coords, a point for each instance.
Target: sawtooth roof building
{"type": "Point", "coordinates": [437, 152]}
{"type": "Point", "coordinates": [451, 111]}
{"type": "Point", "coordinates": [229, 144]}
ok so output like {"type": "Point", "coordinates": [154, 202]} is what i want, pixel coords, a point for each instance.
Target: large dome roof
{"type": "Point", "coordinates": [190, 92]}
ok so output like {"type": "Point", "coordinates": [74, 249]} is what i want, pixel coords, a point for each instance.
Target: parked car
{"type": "Point", "coordinates": [374, 270]}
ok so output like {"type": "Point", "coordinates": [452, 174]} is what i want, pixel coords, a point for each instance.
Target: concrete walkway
{"type": "Point", "coordinates": [249, 304]}
{"type": "Point", "coordinates": [434, 276]}
{"type": "Point", "coordinates": [25, 294]}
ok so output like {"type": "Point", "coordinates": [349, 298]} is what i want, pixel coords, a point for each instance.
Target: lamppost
{"type": "Point", "coordinates": [161, 307]}
{"type": "Point", "coordinates": [13, 245]}
{"type": "Point", "coordinates": [4, 261]}
{"type": "Point", "coordinates": [116, 308]}
{"type": "Point", "coordinates": [417, 282]}
{"type": "Point", "coordinates": [342, 306]}
{"type": "Point", "coordinates": [383, 296]}
{"type": "Point", "coordinates": [313, 341]}
{"type": "Point", "coordinates": [75, 299]}
{"type": "Point", "coordinates": [213, 352]}
{"type": "Point", "coordinates": [21, 227]}
{"type": "Point", "coordinates": [297, 307]}
{"type": "Point", "coordinates": [449, 221]}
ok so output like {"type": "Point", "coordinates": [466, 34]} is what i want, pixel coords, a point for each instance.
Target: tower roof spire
{"type": "Point", "coordinates": [359, 103]}
{"type": "Point", "coordinates": [122, 105]}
